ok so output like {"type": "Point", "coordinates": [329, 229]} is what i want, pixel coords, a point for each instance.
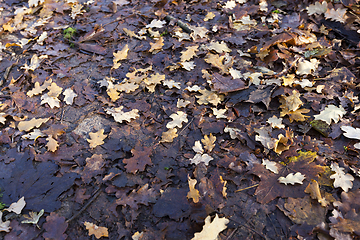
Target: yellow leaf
{"type": "Point", "coordinates": [51, 144]}
{"type": "Point", "coordinates": [290, 103]}
{"type": "Point", "coordinates": [157, 46]}
{"type": "Point", "coordinates": [97, 138]}
{"type": "Point", "coordinates": [298, 115]}
{"type": "Point", "coordinates": [209, 16]}
{"type": "Point", "coordinates": [218, 47]}
{"type": "Point", "coordinates": [209, 142]}
{"type": "Point", "coordinates": [120, 55]}
{"type": "Point", "coordinates": [113, 94]}
{"type": "Point", "coordinates": [28, 125]}
{"type": "Point", "coordinates": [212, 229]}
{"type": "Point", "coordinates": [217, 61]}
{"type": "Point", "coordinates": [96, 230]}
{"type": "Point", "coordinates": [193, 193]}
{"type": "Point", "coordinates": [54, 90]}
{"type": "Point", "coordinates": [169, 135]}
{"type": "Point", "coordinates": [189, 53]}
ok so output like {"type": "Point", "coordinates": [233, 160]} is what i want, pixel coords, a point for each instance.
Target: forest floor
{"type": "Point", "coordinates": [177, 119]}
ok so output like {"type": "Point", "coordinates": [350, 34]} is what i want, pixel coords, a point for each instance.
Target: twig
{"type": "Point", "coordinates": [97, 193]}
{"type": "Point", "coordinates": [232, 233]}
{"type": "Point", "coordinates": [249, 229]}
{"type": "Point", "coordinates": [239, 190]}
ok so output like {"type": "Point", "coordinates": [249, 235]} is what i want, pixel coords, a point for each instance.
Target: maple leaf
{"type": "Point", "coordinates": [17, 207]}
{"type": "Point", "coordinates": [120, 116]}
{"type": "Point", "coordinates": [209, 142]}
{"type": "Point", "coordinates": [270, 166]}
{"type": "Point", "coordinates": [336, 15]}
{"type": "Point", "coordinates": [52, 144]}
{"type": "Point", "coordinates": [193, 193]}
{"type": "Point", "coordinates": [69, 96]}
{"type": "Point", "coordinates": [4, 226]}
{"type": "Point", "coordinates": [140, 159]}
{"type": "Point", "coordinates": [120, 55]}
{"type": "Point", "coordinates": [157, 46]}
{"type": "Point", "coordinates": [212, 229]}
{"type": "Point", "coordinates": [317, 8]}
{"type": "Point", "coordinates": [28, 125]}
{"type": "Point", "coordinates": [342, 179]}
{"type": "Point", "coordinates": [178, 118]}
{"type": "Point", "coordinates": [292, 178]}
{"type": "Point", "coordinates": [96, 230]}
{"type": "Point", "coordinates": [96, 138]}
{"type": "Point", "coordinates": [33, 218]}
{"type": "Point", "coordinates": [331, 113]}
{"type": "Point", "coordinates": [169, 135]}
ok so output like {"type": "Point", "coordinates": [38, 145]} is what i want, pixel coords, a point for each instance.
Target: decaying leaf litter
{"type": "Point", "coordinates": [179, 119]}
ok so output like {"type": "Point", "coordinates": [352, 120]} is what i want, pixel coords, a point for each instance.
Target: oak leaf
{"type": "Point", "coordinates": [275, 122]}
{"type": "Point", "coordinates": [2, 118]}
{"type": "Point", "coordinates": [290, 103]}
{"type": "Point", "coordinates": [219, 113]}
{"type": "Point", "coordinates": [331, 113]}
{"type": "Point", "coordinates": [217, 61]}
{"type": "Point", "coordinates": [212, 229]}
{"type": "Point", "coordinates": [120, 55]}
{"type": "Point", "coordinates": [342, 179]}
{"type": "Point", "coordinates": [96, 138]}
{"type": "Point", "coordinates": [120, 116]}
{"type": "Point", "coordinates": [156, 24]}
{"type": "Point", "coordinates": [52, 101]}
{"type": "Point", "coordinates": [209, 16]}
{"type": "Point", "coordinates": [198, 147]}
{"type": "Point", "coordinates": [140, 159]}
{"type": "Point", "coordinates": [208, 142]}
{"type": "Point", "coordinates": [270, 165]}
{"type": "Point", "coordinates": [189, 53]}
{"type": "Point", "coordinates": [96, 230]}
{"type": "Point", "coordinates": [39, 89]}
{"type": "Point", "coordinates": [305, 67]}
{"type": "Point", "coordinates": [172, 84]}
{"type": "Point", "coordinates": [208, 97]}
{"type": "Point", "coordinates": [28, 125]}
{"type": "Point", "coordinates": [182, 103]}
{"type": "Point", "coordinates": [188, 65]}
{"type": "Point", "coordinates": [292, 178]}
{"type": "Point", "coordinates": [198, 32]}
{"type": "Point", "coordinates": [193, 193]}
{"type": "Point", "coordinates": [351, 132]}
{"type": "Point", "coordinates": [169, 135]}
{"type": "Point", "coordinates": [178, 119]}
{"type": "Point", "coordinates": [126, 87]}
{"type": "Point", "coordinates": [69, 96]}
{"type": "Point", "coordinates": [317, 8]}
{"type": "Point", "coordinates": [36, 133]}
{"type": "Point", "coordinates": [336, 15]}
{"type": "Point", "coordinates": [52, 144]}
{"type": "Point", "coordinates": [198, 158]}
{"type": "Point", "coordinates": [314, 190]}
{"type": "Point", "coordinates": [218, 47]}
{"type": "Point", "coordinates": [34, 63]}
{"type": "Point", "coordinates": [33, 217]}
{"type": "Point", "coordinates": [157, 46]}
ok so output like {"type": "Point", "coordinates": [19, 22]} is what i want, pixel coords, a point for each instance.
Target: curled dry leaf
{"type": "Point", "coordinates": [4, 226]}
{"type": "Point", "coordinates": [193, 193]}
{"type": "Point", "coordinates": [96, 230]}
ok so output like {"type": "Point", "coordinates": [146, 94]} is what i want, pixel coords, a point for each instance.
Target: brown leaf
{"type": "Point", "coordinates": [93, 167]}
{"type": "Point", "coordinates": [55, 227]}
{"type": "Point", "coordinates": [96, 230]}
{"type": "Point", "coordinates": [140, 159]}
{"type": "Point", "coordinates": [226, 84]}
{"type": "Point", "coordinates": [193, 193]}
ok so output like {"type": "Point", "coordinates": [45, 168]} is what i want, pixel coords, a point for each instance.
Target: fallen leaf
{"type": "Point", "coordinates": [169, 135]}
{"type": "Point", "coordinates": [292, 178]}
{"type": "Point", "coordinates": [305, 67]}
{"type": "Point", "coordinates": [4, 226]}
{"type": "Point", "coordinates": [39, 89]}
{"type": "Point", "coordinates": [178, 118]}
{"type": "Point", "coordinates": [28, 125]}
{"type": "Point", "coordinates": [317, 8]}
{"type": "Point", "coordinates": [336, 15]}
{"type": "Point", "coordinates": [351, 132]}
{"type": "Point", "coordinates": [120, 55]}
{"type": "Point", "coordinates": [17, 207]}
{"type": "Point", "coordinates": [69, 96]}
{"type": "Point", "coordinates": [156, 24]}
{"type": "Point", "coordinates": [120, 116]}
{"type": "Point", "coordinates": [212, 229]}
{"type": "Point", "coordinates": [96, 138]}
{"type": "Point", "coordinates": [193, 193]}
{"type": "Point", "coordinates": [208, 142]}
{"type": "Point", "coordinates": [33, 217]}
{"type": "Point", "coordinates": [52, 144]}
{"type": "Point", "coordinates": [55, 227]}
{"type": "Point", "coordinates": [52, 101]}
{"type": "Point", "coordinates": [208, 97]}
{"type": "Point", "coordinates": [331, 113]}
{"type": "Point", "coordinates": [342, 179]}
{"type": "Point", "coordinates": [157, 46]}
{"type": "Point", "coordinates": [275, 122]}
{"type": "Point", "coordinates": [189, 53]}
{"type": "Point", "coordinates": [199, 158]}
{"type": "Point", "coordinates": [140, 159]}
{"type": "Point", "coordinates": [270, 166]}
{"type": "Point", "coordinates": [314, 190]}
{"type": "Point", "coordinates": [96, 230]}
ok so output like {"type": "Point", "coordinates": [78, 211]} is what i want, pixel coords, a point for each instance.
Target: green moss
{"type": "Point", "coordinates": [69, 33]}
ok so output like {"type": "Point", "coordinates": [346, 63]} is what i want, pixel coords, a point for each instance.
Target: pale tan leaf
{"type": "Point", "coordinates": [69, 96]}
{"type": "Point", "coordinates": [317, 8]}
{"type": "Point", "coordinates": [342, 179]}
{"type": "Point", "coordinates": [209, 16]}
{"type": "Point", "coordinates": [351, 132]}
{"type": "Point", "coordinates": [169, 135]}
{"type": "Point", "coordinates": [198, 158]}
{"type": "Point", "coordinates": [156, 24]}
{"type": "Point", "coordinates": [96, 138]}
{"type": "Point", "coordinates": [120, 116]}
{"type": "Point", "coordinates": [96, 230]}
{"type": "Point", "coordinates": [126, 87]}
{"type": "Point", "coordinates": [36, 133]}
{"type": "Point", "coordinates": [52, 144]}
{"type": "Point", "coordinates": [189, 53]}
{"type": "Point", "coordinates": [182, 103]}
{"type": "Point", "coordinates": [17, 207]}
{"type": "Point", "coordinates": [275, 122]}
{"type": "Point", "coordinates": [157, 46]}
{"type": "Point", "coordinates": [307, 67]}
{"type": "Point", "coordinates": [4, 226]}
{"type": "Point", "coordinates": [292, 178]}
{"type": "Point", "coordinates": [172, 84]}
{"type": "Point", "coordinates": [188, 65]}
{"type": "Point", "coordinates": [208, 142]}
{"type": "Point", "coordinates": [28, 125]}
{"type": "Point", "coordinates": [212, 229]}
{"type": "Point", "coordinates": [272, 166]}
{"type": "Point", "coordinates": [336, 15]}
{"type": "Point", "coordinates": [2, 118]}
{"type": "Point", "coordinates": [39, 89]}
{"type": "Point", "coordinates": [198, 147]}
{"type": "Point", "coordinates": [218, 47]}
{"type": "Point", "coordinates": [120, 55]}
{"type": "Point", "coordinates": [331, 113]}
{"type": "Point", "coordinates": [52, 101]}
{"type": "Point", "coordinates": [219, 113]}
{"type": "Point", "coordinates": [178, 118]}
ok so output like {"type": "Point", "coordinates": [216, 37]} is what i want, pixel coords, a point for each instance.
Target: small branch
{"type": "Point", "coordinates": [179, 23]}
{"type": "Point", "coordinates": [239, 190]}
